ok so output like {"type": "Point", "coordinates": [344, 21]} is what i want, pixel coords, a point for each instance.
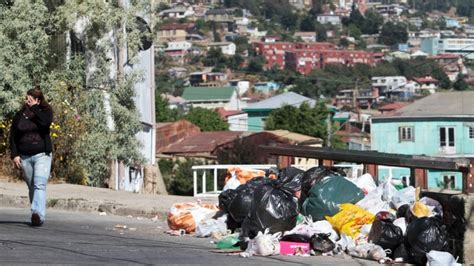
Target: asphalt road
{"type": "Point", "coordinates": [89, 238]}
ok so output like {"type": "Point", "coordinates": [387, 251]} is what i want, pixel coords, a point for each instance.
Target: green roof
{"type": "Point", "coordinates": [207, 93]}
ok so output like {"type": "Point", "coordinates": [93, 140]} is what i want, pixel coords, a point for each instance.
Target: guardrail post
{"type": "Point", "coordinates": [373, 170]}
{"type": "Point", "coordinates": [215, 179]}
{"type": "Point", "coordinates": [195, 182]}
{"type": "Point", "coordinates": [419, 177]}
{"type": "Point", "coordinates": [283, 161]}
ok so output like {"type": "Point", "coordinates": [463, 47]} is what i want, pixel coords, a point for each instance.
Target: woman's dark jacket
{"type": "Point", "coordinates": [29, 133]}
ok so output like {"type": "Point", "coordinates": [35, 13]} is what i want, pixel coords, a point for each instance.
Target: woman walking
{"type": "Point", "coordinates": [31, 147]}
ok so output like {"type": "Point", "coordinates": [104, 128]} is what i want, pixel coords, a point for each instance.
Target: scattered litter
{"type": "Point", "coordinates": [154, 219]}
{"type": "Point", "coordinates": [129, 216]}
{"type": "Point", "coordinates": [132, 229]}
{"type": "Point", "coordinates": [120, 226]}
{"type": "Point", "coordinates": [140, 218]}
{"type": "Point", "coordinates": [180, 232]}
{"type": "Point", "coordinates": [102, 213]}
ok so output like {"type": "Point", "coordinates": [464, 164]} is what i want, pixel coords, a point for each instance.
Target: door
{"type": "Point", "coordinates": [447, 140]}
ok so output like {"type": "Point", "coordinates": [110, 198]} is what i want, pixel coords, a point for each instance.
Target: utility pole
{"type": "Point", "coordinates": [329, 130]}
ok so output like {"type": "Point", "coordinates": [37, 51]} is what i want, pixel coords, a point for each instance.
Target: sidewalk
{"type": "Point", "coordinates": [90, 199]}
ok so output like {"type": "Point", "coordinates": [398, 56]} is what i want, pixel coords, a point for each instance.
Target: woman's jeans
{"type": "Point", "coordinates": [36, 170]}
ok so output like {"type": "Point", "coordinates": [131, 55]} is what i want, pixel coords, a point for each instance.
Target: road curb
{"type": "Point", "coordinates": [83, 205]}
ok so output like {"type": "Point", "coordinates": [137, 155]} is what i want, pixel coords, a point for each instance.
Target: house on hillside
{"type": "Point", "coordinates": [266, 87]}
{"type": "Point", "coordinates": [227, 48]}
{"type": "Point", "coordinates": [219, 16]}
{"type": "Point", "coordinates": [440, 125]}
{"type": "Point", "coordinates": [386, 85]}
{"type": "Point", "coordinates": [258, 112]}
{"type": "Point", "coordinates": [207, 78]}
{"type": "Point", "coordinates": [202, 145]}
{"type": "Point", "coordinates": [173, 132]}
{"type": "Point", "coordinates": [427, 85]}
{"type": "Point", "coordinates": [237, 120]}
{"type": "Point", "coordinates": [212, 97]}
{"type": "Point", "coordinates": [175, 32]}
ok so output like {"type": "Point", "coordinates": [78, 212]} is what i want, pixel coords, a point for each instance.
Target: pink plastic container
{"type": "Point", "coordinates": [293, 248]}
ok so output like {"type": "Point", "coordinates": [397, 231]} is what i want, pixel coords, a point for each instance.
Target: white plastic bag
{"type": "Point", "coordinates": [368, 251]}
{"type": "Point", "coordinates": [264, 244]}
{"type": "Point", "coordinates": [308, 228]}
{"type": "Point", "coordinates": [345, 243]}
{"type": "Point", "coordinates": [373, 202]}
{"type": "Point", "coordinates": [401, 222]}
{"type": "Point", "coordinates": [388, 190]}
{"type": "Point", "coordinates": [211, 226]}
{"type": "Point", "coordinates": [365, 182]}
{"type": "Point", "coordinates": [232, 183]}
{"type": "Point", "coordinates": [404, 196]}
{"type": "Point", "coordinates": [435, 207]}
{"type": "Point", "coordinates": [440, 258]}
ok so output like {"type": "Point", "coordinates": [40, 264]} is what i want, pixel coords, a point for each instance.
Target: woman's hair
{"type": "Point", "coordinates": [38, 94]}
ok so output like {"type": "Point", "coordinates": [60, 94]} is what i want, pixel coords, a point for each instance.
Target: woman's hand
{"type": "Point", "coordinates": [30, 101]}
{"type": "Point", "coordinates": [17, 161]}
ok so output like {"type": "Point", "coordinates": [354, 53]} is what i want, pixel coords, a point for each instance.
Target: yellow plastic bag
{"type": "Point", "coordinates": [420, 210]}
{"type": "Point", "coordinates": [350, 219]}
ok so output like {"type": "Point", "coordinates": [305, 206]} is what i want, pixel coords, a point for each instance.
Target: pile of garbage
{"type": "Point", "coordinates": [319, 212]}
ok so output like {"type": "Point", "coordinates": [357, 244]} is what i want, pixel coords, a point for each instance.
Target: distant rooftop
{"type": "Point", "coordinates": [288, 98]}
{"type": "Point", "coordinates": [440, 104]}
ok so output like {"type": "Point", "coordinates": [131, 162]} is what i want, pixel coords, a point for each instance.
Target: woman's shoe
{"type": "Point", "coordinates": [36, 220]}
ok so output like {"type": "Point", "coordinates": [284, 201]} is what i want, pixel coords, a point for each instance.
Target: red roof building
{"type": "Point", "coordinates": [173, 132]}
{"type": "Point", "coordinates": [303, 57]}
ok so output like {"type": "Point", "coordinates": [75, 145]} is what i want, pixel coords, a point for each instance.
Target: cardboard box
{"type": "Point", "coordinates": [293, 248]}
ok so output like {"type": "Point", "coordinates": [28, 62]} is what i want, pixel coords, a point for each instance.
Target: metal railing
{"type": "Point", "coordinates": [202, 172]}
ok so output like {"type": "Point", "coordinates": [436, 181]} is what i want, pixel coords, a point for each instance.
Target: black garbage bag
{"type": "Point", "coordinates": [274, 206]}
{"type": "Point", "coordinates": [400, 252]}
{"type": "Point", "coordinates": [296, 238]}
{"type": "Point", "coordinates": [325, 196]}
{"type": "Point", "coordinates": [423, 235]}
{"type": "Point", "coordinates": [385, 234]}
{"type": "Point", "coordinates": [322, 243]}
{"type": "Point", "coordinates": [402, 211]}
{"type": "Point", "coordinates": [238, 202]}
{"type": "Point", "coordinates": [313, 175]}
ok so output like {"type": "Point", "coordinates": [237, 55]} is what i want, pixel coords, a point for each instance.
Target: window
{"type": "Point", "coordinates": [405, 134]}
{"type": "Point", "coordinates": [449, 181]}
{"type": "Point", "coordinates": [471, 132]}
{"type": "Point", "coordinates": [446, 136]}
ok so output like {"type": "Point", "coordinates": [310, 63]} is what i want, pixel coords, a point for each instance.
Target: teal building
{"type": "Point", "coordinates": [259, 111]}
{"type": "Point", "coordinates": [440, 125]}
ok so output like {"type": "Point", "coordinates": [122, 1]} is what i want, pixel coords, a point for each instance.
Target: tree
{"type": "Point", "coordinates": [372, 22]}
{"type": "Point", "coordinates": [344, 42]}
{"type": "Point", "coordinates": [206, 120]}
{"type": "Point", "coordinates": [356, 17]}
{"type": "Point", "coordinates": [255, 65]}
{"type": "Point", "coordinates": [31, 34]}
{"type": "Point", "coordinates": [241, 43]}
{"type": "Point", "coordinates": [321, 32]}
{"type": "Point", "coordinates": [176, 175]}
{"type": "Point", "coordinates": [235, 62]}
{"type": "Point", "coordinates": [307, 24]}
{"type": "Point", "coordinates": [214, 57]}
{"type": "Point", "coordinates": [241, 151]}
{"type": "Point", "coordinates": [163, 113]}
{"type": "Point", "coordinates": [289, 20]}
{"type": "Point", "coordinates": [460, 84]}
{"type": "Point", "coordinates": [393, 33]}
{"type": "Point", "coordinates": [304, 119]}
